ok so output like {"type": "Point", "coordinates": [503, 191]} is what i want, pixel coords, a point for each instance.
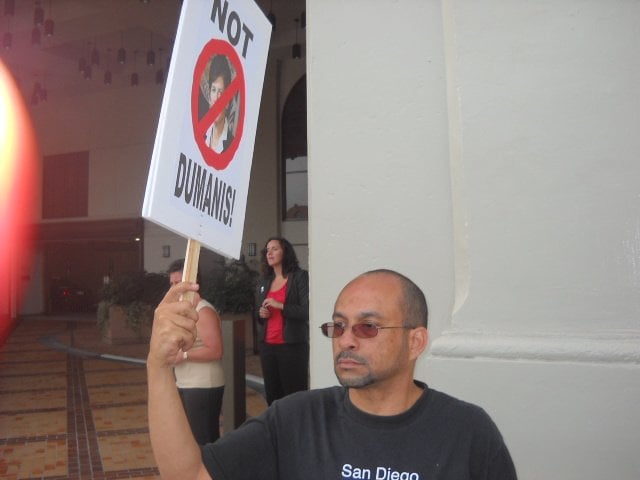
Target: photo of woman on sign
{"type": "Point", "coordinates": [214, 82]}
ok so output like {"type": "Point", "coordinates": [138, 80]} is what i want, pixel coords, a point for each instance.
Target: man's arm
{"type": "Point", "coordinates": [174, 327]}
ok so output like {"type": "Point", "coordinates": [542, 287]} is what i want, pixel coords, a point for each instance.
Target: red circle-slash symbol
{"type": "Point", "coordinates": [221, 160]}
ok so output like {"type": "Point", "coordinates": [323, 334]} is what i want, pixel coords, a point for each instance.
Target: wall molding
{"type": "Point", "coordinates": [622, 347]}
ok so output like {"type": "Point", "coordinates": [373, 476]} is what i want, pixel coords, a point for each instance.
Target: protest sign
{"type": "Point", "coordinates": [199, 175]}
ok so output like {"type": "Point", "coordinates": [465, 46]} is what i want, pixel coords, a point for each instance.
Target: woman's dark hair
{"type": "Point", "coordinates": [219, 67]}
{"type": "Point", "coordinates": [178, 266]}
{"type": "Point", "coordinates": [289, 258]}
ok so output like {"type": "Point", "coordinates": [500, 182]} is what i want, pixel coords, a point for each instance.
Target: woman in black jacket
{"type": "Point", "coordinates": [282, 314]}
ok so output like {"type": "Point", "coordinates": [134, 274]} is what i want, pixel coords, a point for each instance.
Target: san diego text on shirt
{"type": "Point", "coordinates": [381, 473]}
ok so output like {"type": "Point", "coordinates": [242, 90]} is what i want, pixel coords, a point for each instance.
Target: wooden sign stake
{"type": "Point", "coordinates": [190, 272]}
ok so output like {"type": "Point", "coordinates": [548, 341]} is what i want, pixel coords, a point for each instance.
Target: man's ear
{"type": "Point", "coordinates": [418, 341]}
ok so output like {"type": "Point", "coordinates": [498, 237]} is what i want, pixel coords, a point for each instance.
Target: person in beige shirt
{"type": "Point", "coordinates": [198, 370]}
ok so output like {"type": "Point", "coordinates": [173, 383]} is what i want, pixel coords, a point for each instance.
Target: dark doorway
{"type": "Point", "coordinates": [78, 257]}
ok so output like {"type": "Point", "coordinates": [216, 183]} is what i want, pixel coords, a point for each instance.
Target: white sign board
{"type": "Point", "coordinates": [199, 175]}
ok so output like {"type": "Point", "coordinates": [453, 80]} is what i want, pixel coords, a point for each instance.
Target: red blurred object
{"type": "Point", "coordinates": [19, 195]}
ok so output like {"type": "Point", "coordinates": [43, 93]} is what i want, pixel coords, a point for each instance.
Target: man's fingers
{"type": "Point", "coordinates": [174, 327]}
{"type": "Point", "coordinates": [176, 313]}
{"type": "Point", "coordinates": [178, 290]}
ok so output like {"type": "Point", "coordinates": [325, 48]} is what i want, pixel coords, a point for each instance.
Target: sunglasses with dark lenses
{"type": "Point", "coordinates": [360, 330]}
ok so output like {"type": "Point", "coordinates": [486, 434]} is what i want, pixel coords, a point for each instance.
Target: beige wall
{"type": "Point", "coordinates": [117, 126]}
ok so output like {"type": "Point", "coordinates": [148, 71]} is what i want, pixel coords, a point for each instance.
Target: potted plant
{"type": "Point", "coordinates": [125, 309]}
{"type": "Point", "coordinates": [231, 288]}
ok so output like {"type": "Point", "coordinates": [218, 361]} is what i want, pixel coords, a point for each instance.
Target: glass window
{"type": "Point", "coordinates": [65, 185]}
{"type": "Point", "coordinates": [295, 180]}
{"type": "Point", "coordinates": [294, 153]}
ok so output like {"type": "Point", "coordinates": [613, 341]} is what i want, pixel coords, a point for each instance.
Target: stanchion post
{"type": "Point", "coordinates": [234, 402]}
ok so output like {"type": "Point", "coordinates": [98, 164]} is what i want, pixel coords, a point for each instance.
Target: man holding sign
{"type": "Point", "coordinates": [380, 424]}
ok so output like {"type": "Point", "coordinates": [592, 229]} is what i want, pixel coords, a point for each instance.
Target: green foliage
{"type": "Point", "coordinates": [127, 288]}
{"type": "Point", "coordinates": [154, 286]}
{"type": "Point", "coordinates": [103, 315]}
{"type": "Point", "coordinates": [137, 293]}
{"type": "Point", "coordinates": [231, 288]}
{"type": "Point", "coordinates": [139, 314]}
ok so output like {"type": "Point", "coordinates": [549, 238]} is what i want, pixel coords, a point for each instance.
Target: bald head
{"type": "Point", "coordinates": [412, 301]}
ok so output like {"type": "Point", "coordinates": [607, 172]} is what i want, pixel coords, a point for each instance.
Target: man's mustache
{"type": "Point", "coordinates": [351, 356]}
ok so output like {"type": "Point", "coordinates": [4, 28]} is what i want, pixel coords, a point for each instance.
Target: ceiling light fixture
{"type": "Point", "coordinates": [272, 16]}
{"type": "Point", "coordinates": [296, 49]}
{"type": "Point", "coordinates": [35, 36]}
{"type": "Point", "coordinates": [9, 7]}
{"type": "Point", "coordinates": [39, 93]}
{"type": "Point", "coordinates": [134, 76]}
{"type": "Point", "coordinates": [107, 72]}
{"type": "Point", "coordinates": [95, 56]}
{"type": "Point", "coordinates": [49, 24]}
{"type": "Point", "coordinates": [38, 15]}
{"type": "Point", "coordinates": [7, 40]}
{"type": "Point", "coordinates": [122, 53]}
{"type": "Point", "coordinates": [82, 62]}
{"type": "Point", "coordinates": [160, 72]}
{"type": "Point", "coordinates": [151, 55]}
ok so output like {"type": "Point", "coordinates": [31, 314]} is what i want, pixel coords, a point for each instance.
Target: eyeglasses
{"type": "Point", "coordinates": [360, 330]}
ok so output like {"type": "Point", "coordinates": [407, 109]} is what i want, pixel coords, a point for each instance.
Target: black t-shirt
{"type": "Point", "coordinates": [320, 434]}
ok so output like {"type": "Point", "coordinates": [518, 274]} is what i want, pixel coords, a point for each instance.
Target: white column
{"type": "Point", "coordinates": [488, 150]}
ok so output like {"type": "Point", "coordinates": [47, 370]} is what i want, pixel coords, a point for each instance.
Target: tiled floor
{"type": "Point", "coordinates": [70, 413]}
